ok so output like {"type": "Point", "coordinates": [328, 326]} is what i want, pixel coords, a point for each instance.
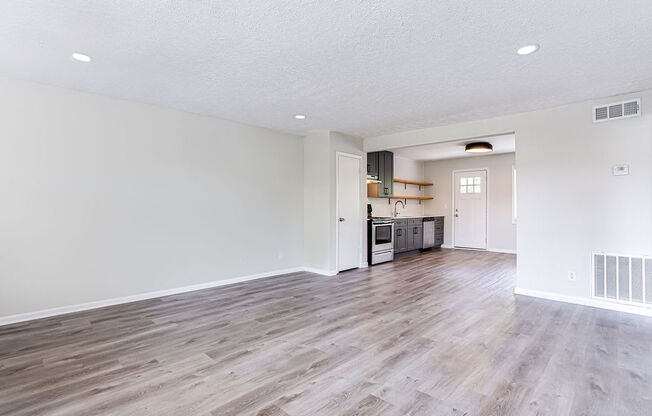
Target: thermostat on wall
{"type": "Point", "coordinates": [620, 170]}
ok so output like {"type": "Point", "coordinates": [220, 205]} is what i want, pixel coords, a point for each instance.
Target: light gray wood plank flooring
{"type": "Point", "coordinates": [435, 334]}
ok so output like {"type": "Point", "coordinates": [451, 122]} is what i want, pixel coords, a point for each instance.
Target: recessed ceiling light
{"type": "Point", "coordinates": [479, 147]}
{"type": "Point", "coordinates": [300, 116]}
{"type": "Point", "coordinates": [528, 49]}
{"type": "Point", "coordinates": [81, 57]}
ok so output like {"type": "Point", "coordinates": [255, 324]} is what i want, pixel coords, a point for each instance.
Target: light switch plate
{"type": "Point", "coordinates": [620, 170]}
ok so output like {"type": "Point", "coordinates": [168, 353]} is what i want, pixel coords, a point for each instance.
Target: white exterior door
{"type": "Point", "coordinates": [470, 210]}
{"type": "Point", "coordinates": [349, 220]}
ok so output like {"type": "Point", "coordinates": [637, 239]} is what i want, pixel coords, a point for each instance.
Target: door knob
{"type": "Point", "coordinates": [341, 219]}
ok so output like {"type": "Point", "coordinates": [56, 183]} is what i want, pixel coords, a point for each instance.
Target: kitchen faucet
{"type": "Point", "coordinates": [395, 203]}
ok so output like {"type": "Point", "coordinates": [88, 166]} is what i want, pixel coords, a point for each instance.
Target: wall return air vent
{"type": "Point", "coordinates": [623, 278]}
{"type": "Point", "coordinates": [613, 111]}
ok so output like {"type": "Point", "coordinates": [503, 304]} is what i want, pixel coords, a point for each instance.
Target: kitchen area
{"type": "Point", "coordinates": [396, 221]}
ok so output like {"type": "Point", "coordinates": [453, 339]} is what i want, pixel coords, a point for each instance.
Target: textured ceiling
{"type": "Point", "coordinates": [505, 143]}
{"type": "Point", "coordinates": [360, 67]}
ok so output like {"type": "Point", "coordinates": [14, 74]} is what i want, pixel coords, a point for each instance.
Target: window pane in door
{"type": "Point", "coordinates": [462, 181]}
{"type": "Point", "coordinates": [462, 189]}
{"type": "Point", "coordinates": [477, 189]}
{"type": "Point", "coordinates": [469, 189]}
{"type": "Point", "coordinates": [476, 180]}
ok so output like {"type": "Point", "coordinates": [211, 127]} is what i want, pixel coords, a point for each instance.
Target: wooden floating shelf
{"type": "Point", "coordinates": [420, 198]}
{"type": "Point", "coordinates": [412, 182]}
{"type": "Point", "coordinates": [405, 198]}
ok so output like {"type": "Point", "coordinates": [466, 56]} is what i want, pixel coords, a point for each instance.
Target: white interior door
{"type": "Point", "coordinates": [470, 210]}
{"type": "Point", "coordinates": [349, 221]}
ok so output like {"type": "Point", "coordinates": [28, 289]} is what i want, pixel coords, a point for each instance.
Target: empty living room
{"type": "Point", "coordinates": [301, 208]}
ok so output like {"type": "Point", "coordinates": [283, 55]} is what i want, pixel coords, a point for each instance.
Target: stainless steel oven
{"type": "Point", "coordinates": [381, 247]}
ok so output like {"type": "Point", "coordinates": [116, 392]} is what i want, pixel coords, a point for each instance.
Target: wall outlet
{"type": "Point", "coordinates": [571, 275]}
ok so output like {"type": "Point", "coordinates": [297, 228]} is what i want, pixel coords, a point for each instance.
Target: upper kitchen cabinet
{"type": "Point", "coordinates": [380, 166]}
{"type": "Point", "coordinates": [387, 170]}
{"type": "Point", "coordinates": [372, 165]}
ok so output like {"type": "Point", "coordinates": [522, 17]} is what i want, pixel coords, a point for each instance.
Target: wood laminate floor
{"type": "Point", "coordinates": [434, 334]}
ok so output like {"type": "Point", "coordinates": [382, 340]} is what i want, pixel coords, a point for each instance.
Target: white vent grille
{"type": "Point", "coordinates": [623, 109]}
{"type": "Point", "coordinates": [623, 278]}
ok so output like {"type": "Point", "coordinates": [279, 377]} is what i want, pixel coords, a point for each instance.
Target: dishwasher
{"type": "Point", "coordinates": [428, 232]}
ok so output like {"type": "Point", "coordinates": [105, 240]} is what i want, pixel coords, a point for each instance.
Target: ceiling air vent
{"type": "Point", "coordinates": [623, 109]}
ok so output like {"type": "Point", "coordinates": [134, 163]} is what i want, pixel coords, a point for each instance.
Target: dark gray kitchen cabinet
{"type": "Point", "coordinates": [415, 236]}
{"type": "Point", "coordinates": [400, 239]}
{"type": "Point", "coordinates": [380, 165]}
{"type": "Point", "coordinates": [372, 164]}
{"type": "Point", "coordinates": [439, 231]}
{"type": "Point", "coordinates": [385, 174]}
{"type": "Point", "coordinates": [400, 235]}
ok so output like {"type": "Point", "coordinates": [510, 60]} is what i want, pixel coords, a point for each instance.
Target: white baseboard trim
{"type": "Point", "coordinates": [323, 272]}
{"type": "Point", "coordinates": [494, 250]}
{"type": "Point", "coordinates": [11, 319]}
{"type": "Point", "coordinates": [502, 250]}
{"type": "Point", "coordinates": [596, 303]}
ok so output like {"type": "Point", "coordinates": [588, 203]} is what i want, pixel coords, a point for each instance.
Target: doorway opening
{"type": "Point", "coordinates": [471, 195]}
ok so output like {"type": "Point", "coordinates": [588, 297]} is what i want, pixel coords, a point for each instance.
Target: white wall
{"type": "Point", "coordinates": [320, 154]}
{"type": "Point", "coordinates": [569, 205]}
{"type": "Point", "coordinates": [102, 198]}
{"type": "Point", "coordinates": [317, 197]}
{"type": "Point", "coordinates": [501, 233]}
{"type": "Point", "coordinates": [408, 169]}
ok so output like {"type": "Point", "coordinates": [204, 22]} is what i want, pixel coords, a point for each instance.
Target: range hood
{"type": "Point", "coordinates": [373, 179]}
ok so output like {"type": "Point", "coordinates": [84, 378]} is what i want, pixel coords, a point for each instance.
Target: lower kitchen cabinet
{"type": "Point", "coordinates": [400, 239]}
{"type": "Point", "coordinates": [415, 235]}
{"type": "Point", "coordinates": [439, 231]}
{"type": "Point", "coordinates": [408, 234]}
{"type": "Point", "coordinates": [400, 235]}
